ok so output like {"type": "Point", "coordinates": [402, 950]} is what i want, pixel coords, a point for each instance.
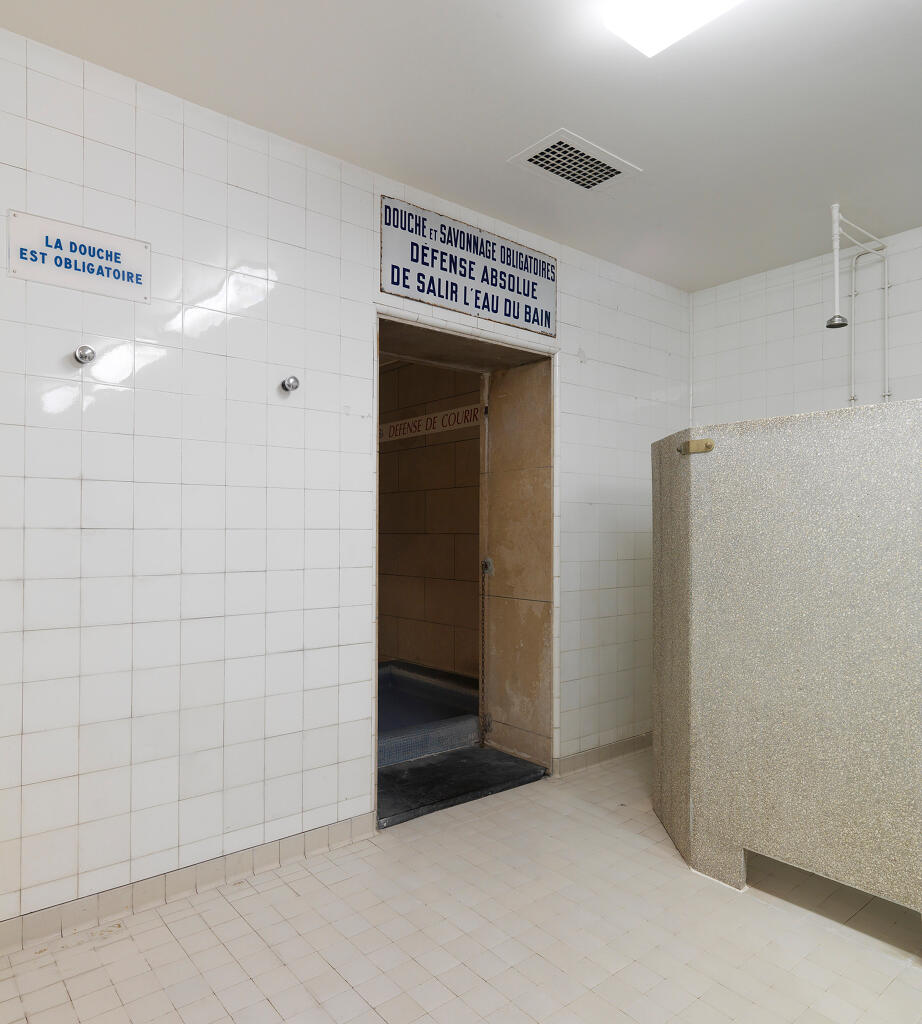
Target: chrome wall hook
{"type": "Point", "coordinates": [84, 354]}
{"type": "Point", "coordinates": [291, 384]}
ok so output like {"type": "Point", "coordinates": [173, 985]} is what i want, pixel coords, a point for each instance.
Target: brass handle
{"type": "Point", "coordinates": [705, 444]}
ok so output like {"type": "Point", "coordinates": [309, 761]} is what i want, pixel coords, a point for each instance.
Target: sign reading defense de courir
{"type": "Point", "coordinates": [431, 423]}
{"type": "Point", "coordinates": [52, 252]}
{"type": "Point", "coordinates": [447, 263]}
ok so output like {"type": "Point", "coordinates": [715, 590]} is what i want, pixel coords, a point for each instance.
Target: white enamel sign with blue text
{"type": "Point", "coordinates": [52, 252]}
{"type": "Point", "coordinates": [444, 262]}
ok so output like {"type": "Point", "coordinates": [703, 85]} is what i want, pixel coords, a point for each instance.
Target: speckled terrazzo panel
{"type": "Point", "coordinates": [671, 595]}
{"type": "Point", "coordinates": [804, 678]}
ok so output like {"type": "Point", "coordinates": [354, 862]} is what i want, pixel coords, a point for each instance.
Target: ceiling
{"type": "Point", "coordinates": [746, 131]}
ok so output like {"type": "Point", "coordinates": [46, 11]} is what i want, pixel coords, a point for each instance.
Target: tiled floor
{"type": "Point", "coordinates": [559, 902]}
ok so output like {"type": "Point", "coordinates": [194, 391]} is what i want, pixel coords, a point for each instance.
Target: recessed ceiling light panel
{"type": "Point", "coordinates": [653, 25]}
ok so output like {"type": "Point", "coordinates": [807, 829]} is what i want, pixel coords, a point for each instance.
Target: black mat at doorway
{"type": "Point", "coordinates": [412, 788]}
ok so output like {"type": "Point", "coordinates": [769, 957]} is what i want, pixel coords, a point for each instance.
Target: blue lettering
{"type": "Point", "coordinates": [403, 220]}
{"type": "Point", "coordinates": [96, 252]}
{"type": "Point", "coordinates": [485, 301]}
{"type": "Point", "coordinates": [536, 315]}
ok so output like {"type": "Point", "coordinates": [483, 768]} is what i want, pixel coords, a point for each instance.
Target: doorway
{"type": "Point", "coordinates": [465, 569]}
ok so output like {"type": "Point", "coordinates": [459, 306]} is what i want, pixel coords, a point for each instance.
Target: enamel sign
{"type": "Point", "coordinates": [52, 252]}
{"type": "Point", "coordinates": [447, 263]}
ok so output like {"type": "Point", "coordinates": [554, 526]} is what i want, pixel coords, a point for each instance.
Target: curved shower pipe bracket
{"type": "Point", "coordinates": [873, 246]}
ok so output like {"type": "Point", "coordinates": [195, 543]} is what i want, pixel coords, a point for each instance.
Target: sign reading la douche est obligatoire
{"type": "Point", "coordinates": [52, 252]}
{"type": "Point", "coordinates": [447, 263]}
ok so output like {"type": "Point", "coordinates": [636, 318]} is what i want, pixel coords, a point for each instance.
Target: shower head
{"type": "Point", "coordinates": [836, 320]}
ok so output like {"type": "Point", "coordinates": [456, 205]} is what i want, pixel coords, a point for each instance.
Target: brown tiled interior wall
{"type": "Point", "coordinates": [428, 604]}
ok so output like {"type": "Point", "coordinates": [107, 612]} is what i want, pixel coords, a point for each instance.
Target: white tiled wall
{"type": "Point", "coordinates": [624, 374]}
{"type": "Point", "coordinates": [761, 347]}
{"type": "Point", "coordinates": [186, 553]}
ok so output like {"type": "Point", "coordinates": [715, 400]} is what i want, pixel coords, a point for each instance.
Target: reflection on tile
{"type": "Point", "coordinates": [113, 363]}
{"type": "Point", "coordinates": [204, 286]}
{"type": "Point", "coordinates": [157, 366]}
{"type": "Point", "coordinates": [204, 329]}
{"type": "Point", "coordinates": [52, 403]}
{"type": "Point", "coordinates": [108, 408]}
{"type": "Point", "coordinates": [246, 294]}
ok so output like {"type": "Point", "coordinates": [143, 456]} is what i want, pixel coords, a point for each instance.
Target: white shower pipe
{"type": "Point", "coordinates": [873, 247]}
{"type": "Point", "coordinates": [836, 229]}
{"type": "Point", "coordinates": [885, 269]}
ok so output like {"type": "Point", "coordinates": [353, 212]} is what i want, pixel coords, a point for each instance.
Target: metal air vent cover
{"type": "Point", "coordinates": [570, 158]}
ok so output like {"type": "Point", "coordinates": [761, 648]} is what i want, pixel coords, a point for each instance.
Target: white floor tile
{"type": "Point", "coordinates": [562, 902]}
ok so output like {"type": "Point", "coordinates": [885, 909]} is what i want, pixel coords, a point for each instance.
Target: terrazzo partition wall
{"type": "Point", "coordinates": [788, 646]}
{"type": "Point", "coordinates": [187, 554]}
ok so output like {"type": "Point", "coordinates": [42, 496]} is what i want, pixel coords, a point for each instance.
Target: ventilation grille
{"type": "Point", "coordinates": [573, 164]}
{"type": "Point", "coordinates": [573, 159]}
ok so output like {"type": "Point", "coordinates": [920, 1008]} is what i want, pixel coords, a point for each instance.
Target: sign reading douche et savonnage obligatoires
{"type": "Point", "coordinates": [447, 263]}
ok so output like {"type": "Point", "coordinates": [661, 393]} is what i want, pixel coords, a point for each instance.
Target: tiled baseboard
{"type": "Point", "coordinates": [46, 925]}
{"type": "Point", "coordinates": [587, 758]}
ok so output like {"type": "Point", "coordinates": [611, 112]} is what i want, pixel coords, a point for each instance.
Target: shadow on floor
{"type": "Point", "coordinates": [868, 915]}
{"type": "Point", "coordinates": [412, 788]}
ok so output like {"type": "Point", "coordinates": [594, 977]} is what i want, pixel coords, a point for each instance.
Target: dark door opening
{"type": "Point", "coordinates": [438, 666]}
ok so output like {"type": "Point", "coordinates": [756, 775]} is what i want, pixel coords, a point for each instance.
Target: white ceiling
{"type": "Point", "coordinates": [746, 130]}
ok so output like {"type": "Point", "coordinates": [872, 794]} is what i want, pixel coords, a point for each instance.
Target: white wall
{"type": "Point", "coordinates": [761, 347]}
{"type": "Point", "coordinates": [186, 554]}
{"type": "Point", "coordinates": [623, 383]}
